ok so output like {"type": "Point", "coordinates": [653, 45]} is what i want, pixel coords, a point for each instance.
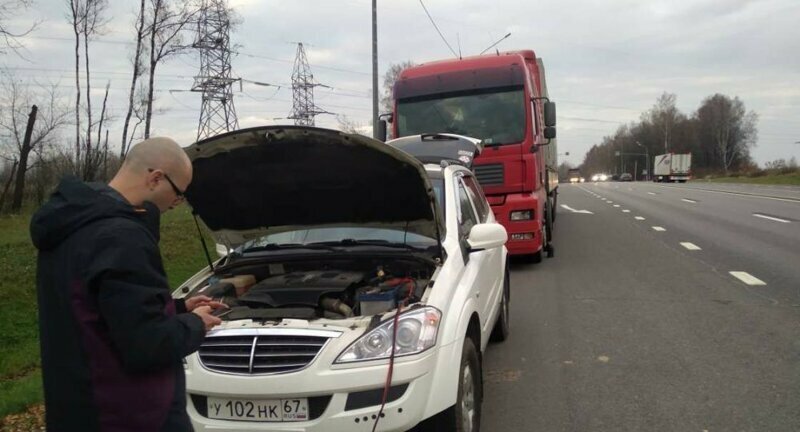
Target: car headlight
{"type": "Point", "coordinates": [416, 332]}
{"type": "Point", "coordinates": [521, 215]}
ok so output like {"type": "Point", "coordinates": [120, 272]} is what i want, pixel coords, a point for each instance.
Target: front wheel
{"type": "Point", "coordinates": [465, 415]}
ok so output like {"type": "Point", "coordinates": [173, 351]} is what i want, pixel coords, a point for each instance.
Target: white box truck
{"type": "Point", "coordinates": [672, 167]}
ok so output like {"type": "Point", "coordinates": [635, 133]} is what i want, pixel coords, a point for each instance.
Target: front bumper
{"type": "Point", "coordinates": [502, 214]}
{"type": "Point", "coordinates": [341, 397]}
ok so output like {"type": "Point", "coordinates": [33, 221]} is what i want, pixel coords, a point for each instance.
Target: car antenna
{"type": "Point", "coordinates": [203, 241]}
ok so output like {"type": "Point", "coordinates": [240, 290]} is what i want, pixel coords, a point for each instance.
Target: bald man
{"type": "Point", "coordinates": [112, 338]}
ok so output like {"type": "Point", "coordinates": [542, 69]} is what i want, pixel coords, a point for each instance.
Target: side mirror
{"type": "Point", "coordinates": [381, 132]}
{"type": "Point", "coordinates": [486, 236]}
{"type": "Point", "coordinates": [550, 114]}
{"type": "Point", "coordinates": [549, 132]}
{"type": "Point", "coordinates": [222, 250]}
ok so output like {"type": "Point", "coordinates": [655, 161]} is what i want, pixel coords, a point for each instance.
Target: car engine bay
{"type": "Point", "coordinates": [331, 288]}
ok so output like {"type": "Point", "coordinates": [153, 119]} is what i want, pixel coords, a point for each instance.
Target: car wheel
{"type": "Point", "coordinates": [465, 415]}
{"type": "Point", "coordinates": [503, 324]}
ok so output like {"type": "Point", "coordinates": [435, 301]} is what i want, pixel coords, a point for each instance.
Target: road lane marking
{"type": "Point", "coordinates": [611, 202]}
{"type": "Point", "coordinates": [688, 201]}
{"type": "Point", "coordinates": [616, 205]}
{"type": "Point", "coordinates": [771, 218]}
{"type": "Point", "coordinates": [639, 218]}
{"type": "Point", "coordinates": [747, 278]}
{"type": "Point", "coordinates": [745, 194]}
{"type": "Point", "coordinates": [659, 229]}
{"type": "Point", "coordinates": [575, 211]}
{"type": "Point", "coordinates": [626, 211]}
{"type": "Point", "coordinates": [690, 246]}
{"type": "Point", "coordinates": [651, 193]}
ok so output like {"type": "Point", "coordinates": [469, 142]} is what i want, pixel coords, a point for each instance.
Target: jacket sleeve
{"type": "Point", "coordinates": [133, 297]}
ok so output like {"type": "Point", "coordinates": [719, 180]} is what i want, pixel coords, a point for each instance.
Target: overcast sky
{"type": "Point", "coordinates": [606, 61]}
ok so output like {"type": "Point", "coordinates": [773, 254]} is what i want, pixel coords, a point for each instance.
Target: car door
{"type": "Point", "coordinates": [492, 273]}
{"type": "Point", "coordinates": [475, 263]}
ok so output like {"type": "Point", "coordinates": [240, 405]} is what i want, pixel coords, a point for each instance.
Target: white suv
{"type": "Point", "coordinates": [327, 235]}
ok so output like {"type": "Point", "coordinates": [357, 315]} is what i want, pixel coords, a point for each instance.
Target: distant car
{"type": "Point", "coordinates": [625, 177]}
{"type": "Point", "coordinates": [599, 177]}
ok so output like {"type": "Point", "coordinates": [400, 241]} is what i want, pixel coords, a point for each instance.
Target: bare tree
{"type": "Point", "coordinates": [726, 126]}
{"type": "Point", "coordinates": [76, 16]}
{"type": "Point", "coordinates": [10, 38]}
{"type": "Point", "coordinates": [28, 132]}
{"type": "Point", "coordinates": [92, 23]}
{"type": "Point", "coordinates": [664, 116]}
{"type": "Point", "coordinates": [95, 156]}
{"type": "Point", "coordinates": [168, 21]}
{"type": "Point", "coordinates": [389, 78]}
{"type": "Point", "coordinates": [138, 69]}
{"type": "Point", "coordinates": [348, 125]}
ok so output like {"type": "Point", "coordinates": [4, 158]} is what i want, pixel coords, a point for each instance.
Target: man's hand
{"type": "Point", "coordinates": [194, 302]}
{"type": "Point", "coordinates": [209, 321]}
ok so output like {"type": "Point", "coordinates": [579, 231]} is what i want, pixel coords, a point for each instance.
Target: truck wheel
{"type": "Point", "coordinates": [503, 324]}
{"type": "Point", "coordinates": [465, 415]}
{"type": "Point", "coordinates": [555, 206]}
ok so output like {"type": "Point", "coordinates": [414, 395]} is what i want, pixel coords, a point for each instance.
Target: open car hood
{"type": "Point", "coordinates": [271, 179]}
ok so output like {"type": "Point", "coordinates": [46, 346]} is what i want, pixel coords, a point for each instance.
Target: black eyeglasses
{"type": "Point", "coordinates": [175, 189]}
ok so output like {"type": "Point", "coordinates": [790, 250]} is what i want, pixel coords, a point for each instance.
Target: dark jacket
{"type": "Point", "coordinates": [112, 338]}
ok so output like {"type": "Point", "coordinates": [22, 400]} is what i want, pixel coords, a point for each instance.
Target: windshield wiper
{"type": "Point", "coordinates": [369, 242]}
{"type": "Point", "coordinates": [287, 246]}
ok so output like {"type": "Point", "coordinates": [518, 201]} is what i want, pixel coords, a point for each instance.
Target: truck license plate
{"type": "Point", "coordinates": [258, 410]}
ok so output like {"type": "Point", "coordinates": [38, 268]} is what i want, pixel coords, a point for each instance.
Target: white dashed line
{"type": "Point", "coordinates": [610, 202]}
{"type": "Point", "coordinates": [690, 246]}
{"type": "Point", "coordinates": [616, 205]}
{"type": "Point", "coordinates": [639, 218]}
{"type": "Point", "coordinates": [626, 211]}
{"type": "Point", "coordinates": [659, 229]}
{"type": "Point", "coordinates": [688, 201]}
{"type": "Point", "coordinates": [651, 193]}
{"type": "Point", "coordinates": [747, 278]}
{"type": "Point", "coordinates": [771, 218]}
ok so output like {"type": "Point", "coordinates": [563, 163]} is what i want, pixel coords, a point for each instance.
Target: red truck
{"type": "Point", "coordinates": [501, 99]}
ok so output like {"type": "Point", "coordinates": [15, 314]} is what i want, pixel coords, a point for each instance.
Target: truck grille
{"type": "Point", "coordinates": [489, 174]}
{"type": "Point", "coordinates": [259, 354]}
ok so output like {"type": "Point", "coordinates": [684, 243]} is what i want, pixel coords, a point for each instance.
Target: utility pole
{"type": "Point", "coordinates": [375, 69]}
{"type": "Point", "coordinates": [303, 108]}
{"type": "Point", "coordinates": [647, 159]}
{"type": "Point", "coordinates": [217, 112]}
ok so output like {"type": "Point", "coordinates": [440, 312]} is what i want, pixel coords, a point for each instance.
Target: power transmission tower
{"type": "Point", "coordinates": [303, 108]}
{"type": "Point", "coordinates": [217, 113]}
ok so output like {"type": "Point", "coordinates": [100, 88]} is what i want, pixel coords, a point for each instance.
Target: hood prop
{"type": "Point", "coordinates": [203, 241]}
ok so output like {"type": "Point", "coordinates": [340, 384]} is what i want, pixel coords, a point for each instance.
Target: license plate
{"type": "Point", "coordinates": [258, 409]}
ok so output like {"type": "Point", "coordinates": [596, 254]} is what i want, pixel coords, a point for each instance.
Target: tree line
{"type": "Point", "coordinates": [719, 135]}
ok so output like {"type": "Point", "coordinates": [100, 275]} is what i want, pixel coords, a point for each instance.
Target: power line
{"type": "Point", "coordinates": [437, 29]}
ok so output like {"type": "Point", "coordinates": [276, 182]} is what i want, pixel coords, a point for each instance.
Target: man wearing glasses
{"type": "Point", "coordinates": [112, 338]}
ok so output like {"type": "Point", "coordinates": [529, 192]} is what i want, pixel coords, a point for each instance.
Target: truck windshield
{"type": "Point", "coordinates": [497, 115]}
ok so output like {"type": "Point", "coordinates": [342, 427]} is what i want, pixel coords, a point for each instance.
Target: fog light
{"type": "Point", "coordinates": [521, 215]}
{"type": "Point", "coordinates": [522, 236]}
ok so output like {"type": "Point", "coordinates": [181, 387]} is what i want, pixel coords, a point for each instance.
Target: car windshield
{"type": "Point", "coordinates": [352, 234]}
{"type": "Point", "coordinates": [497, 116]}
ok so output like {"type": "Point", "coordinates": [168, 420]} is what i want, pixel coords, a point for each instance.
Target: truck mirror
{"type": "Point", "coordinates": [381, 132]}
{"type": "Point", "coordinates": [550, 114]}
{"type": "Point", "coordinates": [550, 132]}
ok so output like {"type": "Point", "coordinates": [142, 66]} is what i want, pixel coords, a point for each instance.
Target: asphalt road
{"type": "Point", "coordinates": [636, 328]}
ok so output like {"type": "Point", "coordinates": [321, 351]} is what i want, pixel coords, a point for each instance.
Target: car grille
{"type": "Point", "coordinates": [259, 354]}
{"type": "Point", "coordinates": [489, 174]}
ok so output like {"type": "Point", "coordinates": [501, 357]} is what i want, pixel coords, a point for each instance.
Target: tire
{"type": "Point", "coordinates": [465, 415]}
{"type": "Point", "coordinates": [502, 326]}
